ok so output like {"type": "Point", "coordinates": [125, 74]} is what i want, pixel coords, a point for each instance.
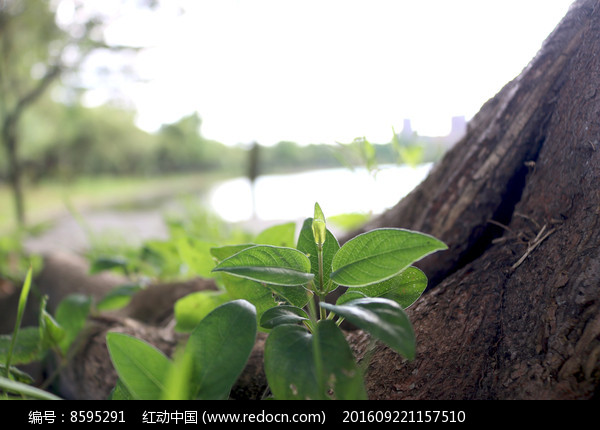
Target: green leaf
{"type": "Point", "coordinates": [20, 311]}
{"type": "Point", "coordinates": [384, 319]}
{"type": "Point", "coordinates": [51, 332]}
{"type": "Point", "coordinates": [220, 253]}
{"type": "Point", "coordinates": [141, 367]}
{"type": "Point", "coordinates": [302, 366]}
{"type": "Point", "coordinates": [26, 390]}
{"type": "Point", "coordinates": [177, 384]}
{"type": "Point", "coordinates": [16, 374]}
{"type": "Point", "coordinates": [379, 255]}
{"type": "Point", "coordinates": [254, 292]}
{"type": "Point", "coordinates": [72, 313]}
{"type": "Point", "coordinates": [26, 348]}
{"type": "Point", "coordinates": [195, 257]}
{"type": "Point", "coordinates": [23, 296]}
{"type": "Point", "coordinates": [270, 265]}
{"type": "Point", "coordinates": [108, 263]}
{"type": "Point", "coordinates": [118, 297]}
{"type": "Point", "coordinates": [191, 309]}
{"type": "Point", "coordinates": [120, 392]}
{"type": "Point", "coordinates": [368, 152]}
{"type": "Point", "coordinates": [340, 374]}
{"type": "Point", "coordinates": [220, 346]}
{"type": "Point", "coordinates": [306, 244]}
{"type": "Point", "coordinates": [163, 256]}
{"type": "Point", "coordinates": [289, 364]}
{"type": "Point", "coordinates": [350, 294]}
{"type": "Point", "coordinates": [282, 315]}
{"type": "Point", "coordinates": [404, 288]}
{"type": "Point", "coordinates": [295, 296]}
{"type": "Point", "coordinates": [277, 235]}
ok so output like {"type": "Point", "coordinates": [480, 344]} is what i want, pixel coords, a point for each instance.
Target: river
{"type": "Point", "coordinates": [272, 199]}
{"type": "Point", "coordinates": [292, 196]}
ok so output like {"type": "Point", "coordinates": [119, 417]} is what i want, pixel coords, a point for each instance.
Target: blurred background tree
{"type": "Point", "coordinates": [28, 67]}
{"type": "Point", "coordinates": [52, 53]}
{"type": "Point", "coordinates": [37, 53]}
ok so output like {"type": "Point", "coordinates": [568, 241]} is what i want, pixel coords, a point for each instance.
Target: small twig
{"type": "Point", "coordinates": [515, 235]}
{"type": "Point", "coordinates": [528, 218]}
{"type": "Point", "coordinates": [538, 239]}
{"type": "Point", "coordinates": [491, 221]}
{"type": "Point", "coordinates": [540, 233]}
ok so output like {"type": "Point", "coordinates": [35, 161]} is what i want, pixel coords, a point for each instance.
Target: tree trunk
{"type": "Point", "coordinates": [513, 307]}
{"type": "Point", "coordinates": [11, 141]}
{"type": "Point", "coordinates": [14, 166]}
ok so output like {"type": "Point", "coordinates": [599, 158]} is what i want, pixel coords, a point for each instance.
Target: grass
{"type": "Point", "coordinates": [46, 201]}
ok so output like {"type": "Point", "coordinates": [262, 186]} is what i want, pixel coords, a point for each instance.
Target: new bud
{"type": "Point", "coordinates": [318, 226]}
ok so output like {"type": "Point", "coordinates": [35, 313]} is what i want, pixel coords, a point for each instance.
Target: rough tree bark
{"type": "Point", "coordinates": [513, 311]}
{"type": "Point", "coordinates": [513, 307]}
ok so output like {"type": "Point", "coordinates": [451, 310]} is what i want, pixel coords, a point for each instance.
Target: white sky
{"type": "Point", "coordinates": [330, 70]}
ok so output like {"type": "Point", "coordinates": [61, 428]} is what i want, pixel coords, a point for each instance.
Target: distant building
{"type": "Point", "coordinates": [457, 130]}
{"type": "Point", "coordinates": [407, 131]}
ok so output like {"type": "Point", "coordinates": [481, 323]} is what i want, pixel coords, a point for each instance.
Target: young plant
{"type": "Point", "coordinates": [306, 354]}
{"type": "Point", "coordinates": [214, 356]}
{"type": "Point", "coordinates": [27, 345]}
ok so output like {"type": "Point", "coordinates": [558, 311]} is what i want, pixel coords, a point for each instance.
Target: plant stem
{"type": "Point", "coordinates": [323, 311]}
{"type": "Point", "coordinates": [20, 311]}
{"type": "Point", "coordinates": [318, 360]}
{"type": "Point", "coordinates": [321, 289]}
{"type": "Point", "coordinates": [312, 310]}
{"type": "Point", "coordinates": [320, 258]}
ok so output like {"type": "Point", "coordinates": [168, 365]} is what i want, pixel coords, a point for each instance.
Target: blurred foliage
{"type": "Point", "coordinates": [38, 53]}
{"type": "Point", "coordinates": [349, 221]}
{"type": "Point", "coordinates": [61, 141]}
{"type": "Point", "coordinates": [289, 156]}
{"type": "Point", "coordinates": [27, 30]}
{"type": "Point", "coordinates": [358, 152]}
{"type": "Point", "coordinates": [59, 138]}
{"type": "Point", "coordinates": [14, 260]}
{"type": "Point", "coordinates": [185, 252]}
{"type": "Point", "coordinates": [69, 141]}
{"type": "Point", "coordinates": [181, 147]}
{"type": "Point", "coordinates": [66, 142]}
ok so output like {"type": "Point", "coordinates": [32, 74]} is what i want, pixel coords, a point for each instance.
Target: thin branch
{"type": "Point", "coordinates": [539, 239]}
{"type": "Point", "coordinates": [36, 92]}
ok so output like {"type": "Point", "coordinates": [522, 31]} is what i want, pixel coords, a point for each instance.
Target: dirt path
{"type": "Point", "coordinates": [113, 226]}
{"type": "Point", "coordinates": [67, 234]}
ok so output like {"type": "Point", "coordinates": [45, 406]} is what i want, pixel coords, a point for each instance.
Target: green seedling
{"type": "Point", "coordinates": [276, 284]}
{"type": "Point", "coordinates": [20, 311]}
{"type": "Point", "coordinates": [283, 287]}
{"type": "Point", "coordinates": [306, 353]}
{"type": "Point", "coordinates": [27, 345]}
